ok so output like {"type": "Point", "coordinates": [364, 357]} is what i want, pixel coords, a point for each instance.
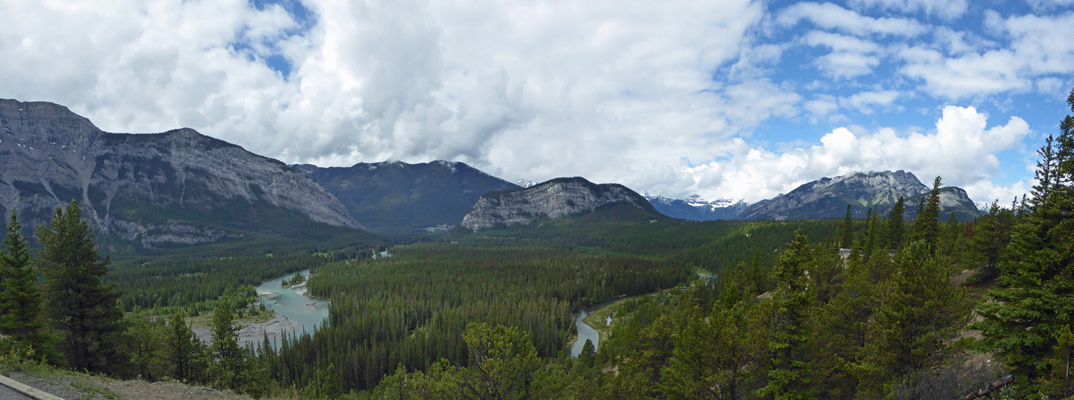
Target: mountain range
{"type": "Point", "coordinates": [151, 190]}
{"type": "Point", "coordinates": [696, 209]}
{"type": "Point", "coordinates": [396, 197]}
{"type": "Point", "coordinates": [829, 197]}
{"type": "Point", "coordinates": [181, 188]}
{"type": "Point", "coordinates": [826, 198]}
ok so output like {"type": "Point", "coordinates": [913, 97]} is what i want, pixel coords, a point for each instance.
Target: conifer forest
{"type": "Point", "coordinates": [881, 307]}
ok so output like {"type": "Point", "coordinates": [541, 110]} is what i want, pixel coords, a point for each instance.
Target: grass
{"type": "Point", "coordinates": [598, 318]}
{"type": "Point", "coordinates": [205, 320]}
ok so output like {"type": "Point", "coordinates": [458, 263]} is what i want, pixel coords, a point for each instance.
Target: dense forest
{"type": "Point", "coordinates": [874, 308]}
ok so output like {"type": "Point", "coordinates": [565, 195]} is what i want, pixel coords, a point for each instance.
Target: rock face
{"type": "Point", "coordinates": [696, 209]}
{"type": "Point", "coordinates": [396, 197]}
{"type": "Point", "coordinates": [553, 199]}
{"type": "Point", "coordinates": [177, 187]}
{"type": "Point", "coordinates": [828, 198]}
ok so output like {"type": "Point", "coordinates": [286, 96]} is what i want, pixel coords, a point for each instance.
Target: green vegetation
{"type": "Point", "coordinates": [81, 310]}
{"type": "Point", "coordinates": [488, 315]}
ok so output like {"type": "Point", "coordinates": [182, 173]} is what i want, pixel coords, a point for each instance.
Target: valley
{"type": "Point", "coordinates": [239, 272]}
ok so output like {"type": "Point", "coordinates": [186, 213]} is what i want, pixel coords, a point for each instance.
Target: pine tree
{"type": "Point", "coordinates": [848, 231]}
{"type": "Point", "coordinates": [991, 234]}
{"type": "Point", "coordinates": [229, 366]}
{"type": "Point", "coordinates": [918, 313]}
{"type": "Point", "coordinates": [79, 307]}
{"type": "Point", "coordinates": [896, 228]}
{"type": "Point", "coordinates": [181, 348]}
{"type": "Point", "coordinates": [787, 312]}
{"type": "Point", "coordinates": [927, 224]}
{"type": "Point", "coordinates": [20, 299]}
{"type": "Point", "coordinates": [1033, 293]}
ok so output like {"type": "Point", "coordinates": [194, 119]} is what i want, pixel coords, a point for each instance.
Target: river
{"type": "Point", "coordinates": [295, 313]}
{"type": "Point", "coordinates": [585, 332]}
{"type": "Point", "coordinates": [300, 312]}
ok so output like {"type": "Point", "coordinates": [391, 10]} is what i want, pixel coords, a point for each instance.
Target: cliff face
{"type": "Point", "coordinates": [177, 187]}
{"type": "Point", "coordinates": [553, 199]}
{"type": "Point", "coordinates": [829, 197]}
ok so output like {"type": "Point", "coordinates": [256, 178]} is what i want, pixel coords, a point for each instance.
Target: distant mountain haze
{"type": "Point", "coordinates": [826, 198]}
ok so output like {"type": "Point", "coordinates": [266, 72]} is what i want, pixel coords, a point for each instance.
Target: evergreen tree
{"type": "Point", "coordinates": [927, 224]}
{"type": "Point", "coordinates": [181, 348]}
{"type": "Point", "coordinates": [20, 300]}
{"type": "Point", "coordinates": [918, 313]}
{"type": "Point", "coordinates": [229, 366]}
{"type": "Point", "coordinates": [896, 228]}
{"type": "Point", "coordinates": [81, 309]}
{"type": "Point", "coordinates": [789, 362]}
{"type": "Point", "coordinates": [1034, 297]}
{"type": "Point", "coordinates": [847, 240]}
{"type": "Point", "coordinates": [991, 234]}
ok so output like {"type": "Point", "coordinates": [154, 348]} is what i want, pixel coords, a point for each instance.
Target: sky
{"type": "Point", "coordinates": [732, 99]}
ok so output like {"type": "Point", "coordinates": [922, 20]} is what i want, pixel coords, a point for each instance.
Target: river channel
{"type": "Point", "coordinates": [585, 332]}
{"type": "Point", "coordinates": [295, 311]}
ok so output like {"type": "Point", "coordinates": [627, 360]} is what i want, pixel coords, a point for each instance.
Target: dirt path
{"type": "Point", "coordinates": [73, 386]}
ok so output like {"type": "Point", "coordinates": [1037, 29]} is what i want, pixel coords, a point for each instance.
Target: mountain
{"type": "Point", "coordinates": [828, 198]}
{"type": "Point", "coordinates": [697, 209]}
{"type": "Point", "coordinates": [552, 199]}
{"type": "Point", "coordinates": [397, 197]}
{"type": "Point", "coordinates": [525, 183]}
{"type": "Point", "coordinates": [151, 190]}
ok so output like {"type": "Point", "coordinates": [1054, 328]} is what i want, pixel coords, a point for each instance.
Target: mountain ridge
{"type": "Point", "coordinates": [177, 187]}
{"type": "Point", "coordinates": [552, 199]}
{"type": "Point", "coordinates": [828, 197]}
{"type": "Point", "coordinates": [397, 197]}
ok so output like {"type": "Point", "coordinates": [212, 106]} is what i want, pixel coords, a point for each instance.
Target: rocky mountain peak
{"type": "Point", "coordinates": [828, 197]}
{"type": "Point", "coordinates": [552, 199]}
{"type": "Point", "coordinates": [176, 187]}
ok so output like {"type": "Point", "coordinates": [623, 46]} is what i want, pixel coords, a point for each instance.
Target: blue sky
{"type": "Point", "coordinates": [726, 99]}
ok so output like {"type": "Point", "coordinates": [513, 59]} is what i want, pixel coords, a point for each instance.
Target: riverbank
{"type": "Point", "coordinates": [291, 311]}
{"type": "Point", "coordinates": [253, 331]}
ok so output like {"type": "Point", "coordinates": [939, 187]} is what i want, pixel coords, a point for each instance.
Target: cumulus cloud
{"type": "Point", "coordinates": [961, 149]}
{"type": "Point", "coordinates": [646, 94]}
{"type": "Point", "coordinates": [533, 89]}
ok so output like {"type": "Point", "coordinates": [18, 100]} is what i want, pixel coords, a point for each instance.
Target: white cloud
{"type": "Point", "coordinates": [968, 75]}
{"type": "Point", "coordinates": [947, 9]}
{"type": "Point", "coordinates": [535, 90]}
{"type": "Point", "coordinates": [1040, 46]}
{"type": "Point", "coordinates": [865, 101]}
{"type": "Point", "coordinates": [962, 150]}
{"type": "Point", "coordinates": [831, 16]}
{"type": "Point", "coordinates": [642, 93]}
{"type": "Point", "coordinates": [1047, 5]}
{"type": "Point", "coordinates": [850, 57]}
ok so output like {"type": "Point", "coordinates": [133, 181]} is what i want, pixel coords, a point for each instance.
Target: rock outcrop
{"type": "Point", "coordinates": [829, 197]}
{"type": "Point", "coordinates": [177, 187]}
{"type": "Point", "coordinates": [552, 199]}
